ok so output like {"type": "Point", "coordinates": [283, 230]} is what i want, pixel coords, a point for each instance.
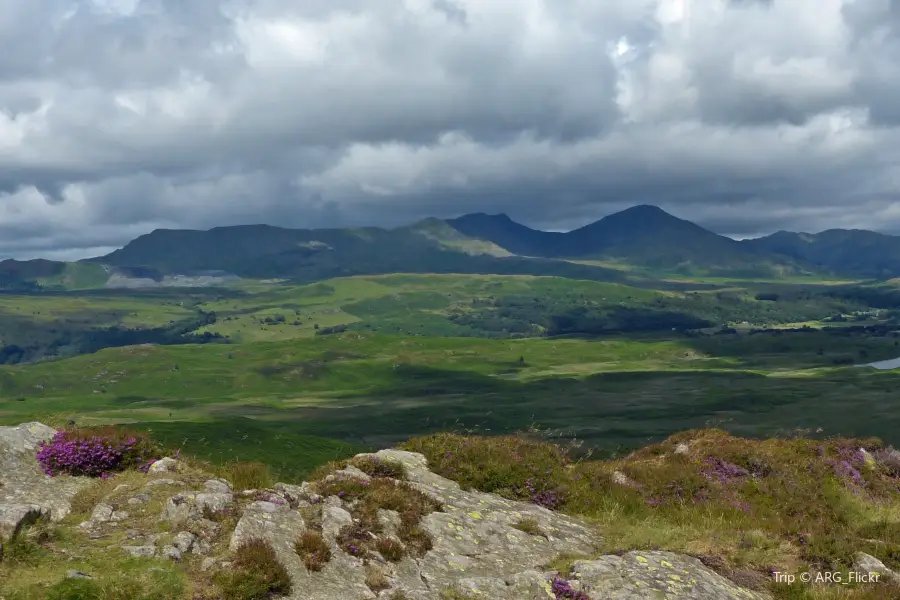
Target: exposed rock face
{"type": "Point", "coordinates": [476, 550]}
{"type": "Point", "coordinates": [25, 492]}
{"type": "Point", "coordinates": [476, 544]}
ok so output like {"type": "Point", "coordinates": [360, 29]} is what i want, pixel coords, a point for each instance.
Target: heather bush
{"type": "Point", "coordinates": [563, 590]}
{"type": "Point", "coordinates": [96, 452]}
{"type": "Point", "coordinates": [256, 573]}
{"type": "Point", "coordinates": [377, 467]}
{"type": "Point", "coordinates": [390, 549]}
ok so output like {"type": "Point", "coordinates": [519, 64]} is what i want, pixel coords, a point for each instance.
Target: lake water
{"type": "Point", "coordinates": [884, 364]}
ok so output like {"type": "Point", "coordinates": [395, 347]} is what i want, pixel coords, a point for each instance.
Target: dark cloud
{"type": "Point", "coordinates": [120, 116]}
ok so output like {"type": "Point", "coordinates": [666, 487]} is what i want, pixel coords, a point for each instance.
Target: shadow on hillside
{"type": "Point", "coordinates": [608, 412]}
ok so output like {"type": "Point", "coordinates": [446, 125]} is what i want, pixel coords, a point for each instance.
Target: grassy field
{"type": "Point", "coordinates": [416, 359]}
{"type": "Point", "coordinates": [369, 390]}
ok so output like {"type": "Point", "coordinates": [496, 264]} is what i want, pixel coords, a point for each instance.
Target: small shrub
{"type": "Point", "coordinates": [256, 573]}
{"type": "Point", "coordinates": [247, 475]}
{"type": "Point", "coordinates": [355, 540]}
{"type": "Point", "coordinates": [562, 589]}
{"type": "Point", "coordinates": [376, 467]}
{"type": "Point", "coordinates": [390, 549]}
{"type": "Point", "coordinates": [529, 525]}
{"type": "Point", "coordinates": [889, 458]}
{"type": "Point", "coordinates": [311, 547]}
{"type": "Point", "coordinates": [376, 580]}
{"type": "Point", "coordinates": [96, 452]}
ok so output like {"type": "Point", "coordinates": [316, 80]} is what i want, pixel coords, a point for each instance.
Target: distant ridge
{"type": "Point", "coordinates": [643, 238]}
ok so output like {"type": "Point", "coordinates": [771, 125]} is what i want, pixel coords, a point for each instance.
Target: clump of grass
{"type": "Point", "coordinates": [256, 573]}
{"type": "Point", "coordinates": [376, 467]}
{"type": "Point", "coordinates": [311, 547]}
{"type": "Point", "coordinates": [512, 466]}
{"type": "Point", "coordinates": [390, 549]}
{"type": "Point", "coordinates": [376, 580]}
{"type": "Point", "coordinates": [247, 475]}
{"type": "Point", "coordinates": [529, 525]}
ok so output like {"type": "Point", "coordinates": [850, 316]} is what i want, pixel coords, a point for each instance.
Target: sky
{"type": "Point", "coordinates": [118, 117]}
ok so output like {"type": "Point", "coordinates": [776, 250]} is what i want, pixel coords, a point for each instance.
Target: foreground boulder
{"type": "Point", "coordinates": [26, 493]}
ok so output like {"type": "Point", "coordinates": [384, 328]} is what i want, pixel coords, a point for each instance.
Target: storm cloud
{"type": "Point", "coordinates": [118, 117]}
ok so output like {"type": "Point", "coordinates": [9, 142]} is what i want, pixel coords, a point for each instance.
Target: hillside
{"type": "Point", "coordinates": [848, 252]}
{"type": "Point", "coordinates": [311, 255]}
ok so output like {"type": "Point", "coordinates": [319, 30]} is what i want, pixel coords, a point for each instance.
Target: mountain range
{"type": "Point", "coordinates": [642, 239]}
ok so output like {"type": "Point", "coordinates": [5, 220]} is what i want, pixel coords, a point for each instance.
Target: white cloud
{"type": "Point", "coordinates": [120, 116]}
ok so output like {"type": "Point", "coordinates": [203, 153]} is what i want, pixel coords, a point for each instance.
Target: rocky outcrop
{"type": "Point", "coordinates": [477, 543]}
{"type": "Point", "coordinates": [26, 493]}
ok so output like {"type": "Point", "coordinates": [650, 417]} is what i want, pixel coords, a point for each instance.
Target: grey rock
{"type": "Point", "coordinates": [147, 551]}
{"type": "Point", "coordinates": [180, 508]}
{"type": "Point", "coordinates": [184, 541]}
{"type": "Point", "coordinates": [76, 574]}
{"type": "Point", "coordinates": [207, 564]}
{"type": "Point", "coordinates": [13, 517]}
{"type": "Point", "coordinates": [118, 516]}
{"type": "Point", "coordinates": [266, 507]}
{"type": "Point", "coordinates": [349, 472]}
{"type": "Point", "coordinates": [663, 575]}
{"type": "Point", "coordinates": [389, 520]}
{"type": "Point", "coordinates": [139, 499]}
{"type": "Point", "coordinates": [866, 563]}
{"type": "Point", "coordinates": [102, 513]}
{"type": "Point", "coordinates": [171, 552]}
{"type": "Point", "coordinates": [217, 486]}
{"type": "Point", "coordinates": [22, 482]}
{"type": "Point", "coordinates": [334, 501]}
{"type": "Point", "coordinates": [333, 519]}
{"type": "Point", "coordinates": [214, 501]}
{"type": "Point", "coordinates": [164, 465]}
{"type": "Point", "coordinates": [343, 577]}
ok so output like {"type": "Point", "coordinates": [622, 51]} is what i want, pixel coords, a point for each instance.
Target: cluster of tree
{"type": "Point", "coordinates": [72, 342]}
{"type": "Point", "coordinates": [517, 316]}
{"type": "Point", "coordinates": [330, 330]}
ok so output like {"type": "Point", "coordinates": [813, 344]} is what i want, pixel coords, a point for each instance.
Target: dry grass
{"type": "Point", "coordinates": [376, 467]}
{"type": "Point", "coordinates": [390, 549]}
{"type": "Point", "coordinates": [255, 573]}
{"type": "Point", "coordinates": [376, 580]}
{"type": "Point", "coordinates": [311, 547]}
{"type": "Point", "coordinates": [529, 525]}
